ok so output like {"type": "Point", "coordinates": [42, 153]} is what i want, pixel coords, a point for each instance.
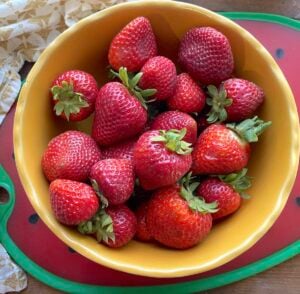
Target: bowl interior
{"type": "Point", "coordinates": [272, 165]}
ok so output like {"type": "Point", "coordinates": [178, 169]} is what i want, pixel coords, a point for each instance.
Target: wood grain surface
{"type": "Point", "coordinates": [284, 278]}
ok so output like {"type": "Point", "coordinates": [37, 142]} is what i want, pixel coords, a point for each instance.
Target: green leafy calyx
{"type": "Point", "coordinates": [249, 129]}
{"type": "Point", "coordinates": [101, 225]}
{"type": "Point", "coordinates": [67, 101]}
{"type": "Point", "coordinates": [130, 81]}
{"type": "Point", "coordinates": [218, 101]}
{"type": "Point", "coordinates": [103, 200]}
{"type": "Point", "coordinates": [239, 181]}
{"type": "Point", "coordinates": [196, 203]}
{"type": "Point", "coordinates": [173, 140]}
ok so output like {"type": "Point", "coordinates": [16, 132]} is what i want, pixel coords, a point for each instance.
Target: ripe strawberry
{"type": "Point", "coordinates": [226, 190]}
{"type": "Point", "coordinates": [133, 45]}
{"type": "Point", "coordinates": [122, 150]}
{"type": "Point", "coordinates": [206, 55]}
{"type": "Point", "coordinates": [188, 96]}
{"type": "Point", "coordinates": [236, 100]}
{"type": "Point", "coordinates": [223, 149]}
{"type": "Point", "coordinates": [72, 202]}
{"type": "Point", "coordinates": [142, 232]}
{"type": "Point", "coordinates": [176, 120]}
{"type": "Point", "coordinates": [74, 94]}
{"type": "Point", "coordinates": [114, 226]}
{"type": "Point", "coordinates": [115, 179]}
{"type": "Point", "coordinates": [159, 73]}
{"type": "Point", "coordinates": [161, 158]}
{"type": "Point", "coordinates": [178, 219]}
{"type": "Point", "coordinates": [70, 155]}
{"type": "Point", "coordinates": [118, 115]}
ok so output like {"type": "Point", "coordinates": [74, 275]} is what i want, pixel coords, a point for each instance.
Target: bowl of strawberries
{"type": "Point", "coordinates": [156, 146]}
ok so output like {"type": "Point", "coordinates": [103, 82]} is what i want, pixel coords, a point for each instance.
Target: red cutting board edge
{"type": "Point", "coordinates": [44, 248]}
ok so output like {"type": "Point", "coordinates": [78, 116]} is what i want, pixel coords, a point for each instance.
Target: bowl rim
{"type": "Point", "coordinates": [127, 267]}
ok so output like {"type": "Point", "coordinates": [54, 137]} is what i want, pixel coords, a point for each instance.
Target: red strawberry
{"type": "Point", "coordinates": [115, 179]}
{"type": "Point", "coordinates": [178, 219]}
{"type": "Point", "coordinates": [118, 115]}
{"type": "Point", "coordinates": [188, 96]}
{"type": "Point", "coordinates": [74, 94]}
{"type": "Point", "coordinates": [70, 155]}
{"type": "Point", "coordinates": [236, 100]}
{"type": "Point", "coordinates": [123, 150]}
{"type": "Point", "coordinates": [159, 73]}
{"type": "Point", "coordinates": [226, 191]}
{"type": "Point", "coordinates": [223, 149]}
{"type": "Point", "coordinates": [142, 232]}
{"type": "Point", "coordinates": [176, 120]}
{"type": "Point", "coordinates": [124, 225]}
{"type": "Point", "coordinates": [133, 45]}
{"type": "Point", "coordinates": [161, 158]}
{"type": "Point", "coordinates": [115, 226]}
{"type": "Point", "coordinates": [72, 202]}
{"type": "Point", "coordinates": [206, 55]}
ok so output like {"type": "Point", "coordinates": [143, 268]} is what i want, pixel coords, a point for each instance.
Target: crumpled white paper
{"type": "Point", "coordinates": [26, 28]}
{"type": "Point", "coordinates": [12, 278]}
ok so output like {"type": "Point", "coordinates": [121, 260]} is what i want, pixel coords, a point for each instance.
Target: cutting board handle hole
{"type": "Point", "coordinates": [4, 196]}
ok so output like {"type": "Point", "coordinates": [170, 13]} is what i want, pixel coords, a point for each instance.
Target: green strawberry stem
{"type": "Point", "coordinates": [68, 101]}
{"type": "Point", "coordinates": [218, 101]}
{"type": "Point", "coordinates": [103, 200]}
{"type": "Point", "coordinates": [130, 81]}
{"type": "Point", "coordinates": [249, 129]}
{"type": "Point", "coordinates": [101, 225]}
{"type": "Point", "coordinates": [187, 190]}
{"type": "Point", "coordinates": [239, 181]}
{"type": "Point", "coordinates": [173, 141]}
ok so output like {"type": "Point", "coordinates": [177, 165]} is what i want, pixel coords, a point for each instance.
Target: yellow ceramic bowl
{"type": "Point", "coordinates": [273, 164]}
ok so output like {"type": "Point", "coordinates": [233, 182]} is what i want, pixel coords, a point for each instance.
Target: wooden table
{"type": "Point", "coordinates": [284, 278]}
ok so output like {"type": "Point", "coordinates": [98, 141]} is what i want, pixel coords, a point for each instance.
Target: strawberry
{"type": "Point", "coordinates": [176, 120]}
{"type": "Point", "coordinates": [115, 179]}
{"type": "Point", "coordinates": [161, 158]}
{"type": "Point", "coordinates": [226, 190]}
{"type": "Point", "coordinates": [159, 73]}
{"type": "Point", "coordinates": [118, 115]}
{"type": "Point", "coordinates": [74, 94]}
{"type": "Point", "coordinates": [70, 155]}
{"type": "Point", "coordinates": [142, 232]}
{"type": "Point", "coordinates": [223, 149]}
{"type": "Point", "coordinates": [72, 202]}
{"type": "Point", "coordinates": [206, 55]}
{"type": "Point", "coordinates": [236, 100]}
{"type": "Point", "coordinates": [133, 45]}
{"type": "Point", "coordinates": [122, 150]}
{"type": "Point", "coordinates": [178, 219]}
{"type": "Point", "coordinates": [114, 226]}
{"type": "Point", "coordinates": [188, 96]}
